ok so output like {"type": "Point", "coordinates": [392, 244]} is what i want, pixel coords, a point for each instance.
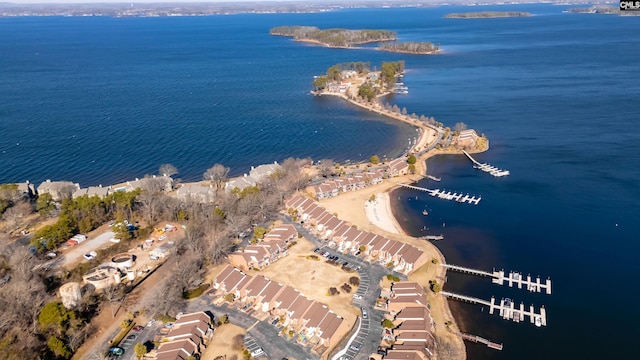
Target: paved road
{"type": "Point", "coordinates": [262, 333]}
{"type": "Point", "coordinates": [145, 336]}
{"type": "Point", "coordinates": [370, 274]}
{"type": "Point", "coordinates": [74, 254]}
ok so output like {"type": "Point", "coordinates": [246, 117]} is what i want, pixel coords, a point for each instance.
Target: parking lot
{"type": "Point", "coordinates": [254, 348]}
{"type": "Point", "coordinates": [370, 334]}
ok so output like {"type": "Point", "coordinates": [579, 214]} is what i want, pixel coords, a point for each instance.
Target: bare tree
{"type": "Point", "coordinates": [217, 175]}
{"type": "Point", "coordinates": [325, 167]}
{"type": "Point", "coordinates": [459, 127]}
{"type": "Point", "coordinates": [168, 170]}
{"type": "Point", "coordinates": [151, 197]}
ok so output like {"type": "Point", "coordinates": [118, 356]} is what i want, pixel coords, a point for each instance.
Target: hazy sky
{"type": "Point", "coordinates": [132, 1]}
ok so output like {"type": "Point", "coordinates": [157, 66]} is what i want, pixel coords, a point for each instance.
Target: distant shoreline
{"type": "Point", "coordinates": [487, 15]}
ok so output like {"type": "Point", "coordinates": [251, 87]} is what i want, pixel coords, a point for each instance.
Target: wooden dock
{"type": "Point", "coordinates": [492, 170]}
{"type": "Point", "coordinates": [446, 195]}
{"type": "Point", "coordinates": [478, 339]}
{"type": "Point", "coordinates": [431, 237]}
{"type": "Point", "coordinates": [513, 278]}
{"type": "Point", "coordinates": [506, 308]}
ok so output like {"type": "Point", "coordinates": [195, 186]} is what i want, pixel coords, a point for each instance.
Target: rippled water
{"type": "Point", "coordinates": [100, 100]}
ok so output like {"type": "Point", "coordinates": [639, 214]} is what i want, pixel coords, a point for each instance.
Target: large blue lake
{"type": "Point", "coordinates": [101, 100]}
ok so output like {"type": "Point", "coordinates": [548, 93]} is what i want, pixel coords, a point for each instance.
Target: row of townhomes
{"type": "Point", "coordinates": [206, 193]}
{"type": "Point", "coordinates": [312, 323]}
{"type": "Point", "coordinates": [255, 176]}
{"type": "Point", "coordinates": [60, 190]}
{"type": "Point", "coordinates": [273, 246]}
{"type": "Point", "coordinates": [189, 336]}
{"type": "Point", "coordinates": [339, 234]}
{"type": "Point", "coordinates": [331, 188]}
{"type": "Point", "coordinates": [411, 338]}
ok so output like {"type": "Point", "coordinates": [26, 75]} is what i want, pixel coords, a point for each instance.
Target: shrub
{"type": "Point", "coordinates": [333, 291]}
{"type": "Point", "coordinates": [194, 293]}
{"type": "Point", "coordinates": [386, 323]}
{"type": "Point", "coordinates": [354, 280]}
{"type": "Point", "coordinates": [346, 288]}
{"type": "Point", "coordinates": [230, 297]}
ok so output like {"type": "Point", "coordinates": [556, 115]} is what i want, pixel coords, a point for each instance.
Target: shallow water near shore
{"type": "Point", "coordinates": [98, 100]}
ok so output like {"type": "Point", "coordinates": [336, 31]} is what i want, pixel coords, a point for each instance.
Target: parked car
{"type": "Point", "coordinates": [163, 237]}
{"type": "Point", "coordinates": [132, 337]}
{"type": "Point", "coordinates": [354, 347]}
{"type": "Point", "coordinates": [151, 322]}
{"type": "Point", "coordinates": [116, 351]}
{"type": "Point", "coordinates": [91, 255]}
{"type": "Point", "coordinates": [138, 328]}
{"type": "Point", "coordinates": [114, 240]}
{"type": "Point", "coordinates": [364, 312]}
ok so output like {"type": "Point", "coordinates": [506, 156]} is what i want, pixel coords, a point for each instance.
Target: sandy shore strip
{"type": "Point", "coordinates": [379, 213]}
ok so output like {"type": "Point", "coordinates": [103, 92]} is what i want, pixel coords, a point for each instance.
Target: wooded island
{"type": "Point", "coordinates": [410, 47]}
{"type": "Point", "coordinates": [486, 15]}
{"type": "Point", "coordinates": [333, 37]}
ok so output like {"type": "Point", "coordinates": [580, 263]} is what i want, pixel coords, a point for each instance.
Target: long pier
{"type": "Point", "coordinates": [443, 194]}
{"type": "Point", "coordinates": [478, 339]}
{"type": "Point", "coordinates": [431, 237]}
{"type": "Point", "coordinates": [494, 171]}
{"type": "Point", "coordinates": [506, 308]}
{"type": "Point", "coordinates": [513, 278]}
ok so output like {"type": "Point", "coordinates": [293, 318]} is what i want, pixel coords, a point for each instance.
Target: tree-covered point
{"type": "Point", "coordinates": [389, 71]}
{"type": "Point", "coordinates": [487, 14]}
{"type": "Point", "coordinates": [334, 37]}
{"type": "Point", "coordinates": [410, 47]}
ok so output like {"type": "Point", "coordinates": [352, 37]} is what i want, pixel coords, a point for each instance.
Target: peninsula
{"type": "Point", "coordinates": [487, 14]}
{"type": "Point", "coordinates": [369, 209]}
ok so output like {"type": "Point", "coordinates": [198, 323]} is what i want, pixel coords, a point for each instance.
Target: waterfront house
{"type": "Point", "coordinates": [240, 183]}
{"type": "Point", "coordinates": [261, 172]}
{"type": "Point", "coordinates": [153, 183]}
{"type": "Point", "coordinates": [398, 167]}
{"type": "Point", "coordinates": [196, 193]}
{"type": "Point", "coordinates": [91, 191]}
{"type": "Point", "coordinates": [58, 190]}
{"type": "Point", "coordinates": [467, 138]}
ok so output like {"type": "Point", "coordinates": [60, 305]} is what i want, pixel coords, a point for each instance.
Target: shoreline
{"type": "Point", "coordinates": [379, 216]}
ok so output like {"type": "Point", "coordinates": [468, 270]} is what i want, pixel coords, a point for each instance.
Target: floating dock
{"type": "Point", "coordinates": [446, 195]}
{"type": "Point", "coordinates": [513, 278]}
{"type": "Point", "coordinates": [494, 171]}
{"type": "Point", "coordinates": [506, 308]}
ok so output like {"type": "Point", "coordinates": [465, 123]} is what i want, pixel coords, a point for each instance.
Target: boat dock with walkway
{"type": "Point", "coordinates": [443, 194]}
{"type": "Point", "coordinates": [487, 168]}
{"type": "Point", "coordinates": [513, 278]}
{"type": "Point", "coordinates": [478, 339]}
{"type": "Point", "coordinates": [506, 308]}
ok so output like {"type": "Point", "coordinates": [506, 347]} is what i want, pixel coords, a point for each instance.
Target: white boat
{"type": "Point", "coordinates": [425, 212]}
{"type": "Point", "coordinates": [538, 321]}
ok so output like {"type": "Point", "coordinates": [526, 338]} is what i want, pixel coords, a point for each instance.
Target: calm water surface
{"type": "Point", "coordinates": [99, 100]}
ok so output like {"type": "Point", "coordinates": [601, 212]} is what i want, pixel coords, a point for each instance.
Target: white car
{"type": "Point", "coordinates": [91, 255]}
{"type": "Point", "coordinates": [114, 240]}
{"type": "Point", "coordinates": [163, 237]}
{"type": "Point", "coordinates": [357, 297]}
